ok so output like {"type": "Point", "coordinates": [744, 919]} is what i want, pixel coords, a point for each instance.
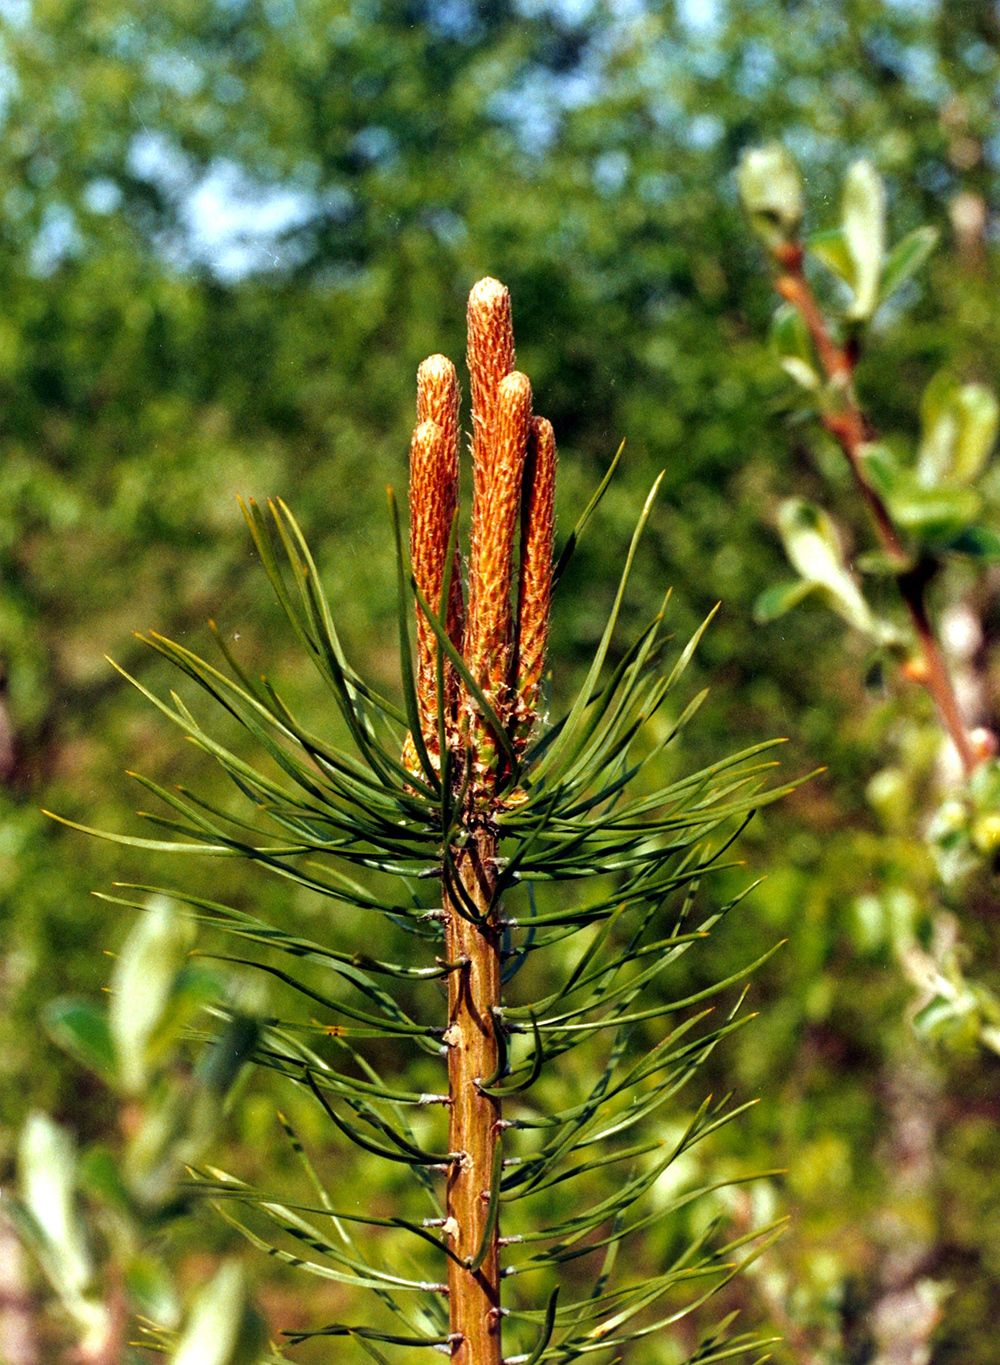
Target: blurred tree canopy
{"type": "Point", "coordinates": [230, 229]}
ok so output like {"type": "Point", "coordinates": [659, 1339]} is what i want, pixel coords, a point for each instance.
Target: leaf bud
{"type": "Point", "coordinates": [986, 833]}
{"type": "Point", "coordinates": [915, 669]}
{"type": "Point", "coordinates": [984, 743]}
{"type": "Point", "coordinates": [863, 224]}
{"type": "Point", "coordinates": [771, 190]}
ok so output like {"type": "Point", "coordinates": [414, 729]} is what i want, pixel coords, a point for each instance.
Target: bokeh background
{"type": "Point", "coordinates": [230, 230]}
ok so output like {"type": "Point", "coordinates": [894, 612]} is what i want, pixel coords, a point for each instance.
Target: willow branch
{"type": "Point", "coordinates": [851, 429]}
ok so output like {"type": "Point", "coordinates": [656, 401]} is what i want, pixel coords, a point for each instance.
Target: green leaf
{"type": "Point", "coordinates": [47, 1167]}
{"type": "Point", "coordinates": [831, 250]}
{"type": "Point", "coordinates": [882, 564]}
{"type": "Point", "coordinates": [404, 1151]}
{"type": "Point", "coordinates": [313, 622]}
{"type": "Point", "coordinates": [100, 1176]}
{"type": "Point", "coordinates": [82, 1029]}
{"type": "Point", "coordinates": [906, 258]}
{"type": "Point", "coordinates": [977, 542]}
{"type": "Point", "coordinates": [223, 1059]}
{"type": "Point", "coordinates": [339, 1329]}
{"type": "Point", "coordinates": [151, 1290]}
{"type": "Point", "coordinates": [978, 416]}
{"type": "Point", "coordinates": [936, 398]}
{"type": "Point", "coordinates": [791, 342]}
{"type": "Point", "coordinates": [934, 515]}
{"type": "Point", "coordinates": [813, 547]}
{"type": "Point", "coordinates": [221, 1185]}
{"type": "Point", "coordinates": [959, 426]}
{"type": "Point", "coordinates": [142, 986]}
{"type": "Point", "coordinates": [50, 1223]}
{"type": "Point", "coordinates": [881, 468]}
{"type": "Point", "coordinates": [959, 431]}
{"type": "Point", "coordinates": [222, 1327]}
{"type": "Point", "coordinates": [360, 1276]}
{"type": "Point", "coordinates": [863, 222]}
{"type": "Point", "coordinates": [377, 1025]}
{"type": "Point", "coordinates": [780, 598]}
{"type": "Point", "coordinates": [810, 539]}
{"type": "Point", "coordinates": [240, 924]}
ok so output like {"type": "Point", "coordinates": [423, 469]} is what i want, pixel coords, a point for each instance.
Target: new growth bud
{"type": "Point", "coordinates": [534, 588]}
{"type": "Point", "coordinates": [492, 567]}
{"type": "Point", "coordinates": [771, 190]}
{"type": "Point", "coordinates": [490, 358]}
{"type": "Point", "coordinates": [438, 401]}
{"type": "Point", "coordinates": [433, 508]}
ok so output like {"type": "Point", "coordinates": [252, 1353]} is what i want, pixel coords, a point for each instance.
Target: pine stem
{"type": "Point", "coordinates": [851, 430]}
{"type": "Point", "coordinates": [505, 658]}
{"type": "Point", "coordinates": [474, 1127]}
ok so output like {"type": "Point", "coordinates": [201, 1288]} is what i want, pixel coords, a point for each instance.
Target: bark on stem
{"type": "Point", "coordinates": [851, 430]}
{"type": "Point", "coordinates": [474, 1118]}
{"type": "Point", "coordinates": [938, 681]}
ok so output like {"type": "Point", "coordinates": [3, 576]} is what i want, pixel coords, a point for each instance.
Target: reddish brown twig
{"type": "Point", "coordinates": [849, 426]}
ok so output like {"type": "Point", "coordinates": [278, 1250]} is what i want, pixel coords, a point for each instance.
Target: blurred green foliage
{"type": "Point", "coordinates": [230, 229]}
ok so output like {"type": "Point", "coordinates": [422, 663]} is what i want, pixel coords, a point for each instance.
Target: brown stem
{"type": "Point", "coordinates": [474, 1126]}
{"type": "Point", "coordinates": [851, 429]}
{"type": "Point", "coordinates": [938, 680]}
{"type": "Point", "coordinates": [794, 288]}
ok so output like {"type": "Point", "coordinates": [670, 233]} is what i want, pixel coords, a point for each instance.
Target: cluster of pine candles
{"type": "Point", "coordinates": [513, 471]}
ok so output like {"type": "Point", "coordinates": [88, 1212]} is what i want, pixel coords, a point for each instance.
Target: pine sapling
{"type": "Point", "coordinates": [468, 788]}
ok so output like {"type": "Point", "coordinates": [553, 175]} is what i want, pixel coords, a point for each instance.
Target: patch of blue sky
{"type": "Point", "coordinates": [231, 222]}
{"type": "Point", "coordinates": [375, 143]}
{"type": "Point", "coordinates": [153, 157]}
{"type": "Point", "coordinates": [236, 224]}
{"type": "Point", "coordinates": [16, 13]}
{"type": "Point", "coordinates": [102, 195]}
{"type": "Point", "coordinates": [180, 74]}
{"type": "Point", "coordinates": [57, 238]}
{"type": "Point", "coordinates": [757, 69]}
{"type": "Point", "coordinates": [700, 16]}
{"type": "Point", "coordinates": [533, 110]}
{"type": "Point", "coordinates": [8, 86]}
{"type": "Point", "coordinates": [704, 131]}
{"type": "Point", "coordinates": [610, 171]}
{"type": "Point", "coordinates": [569, 11]}
{"type": "Point", "coordinates": [926, 8]}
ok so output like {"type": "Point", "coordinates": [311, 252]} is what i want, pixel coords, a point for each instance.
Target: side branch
{"type": "Point", "coordinates": [851, 429]}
